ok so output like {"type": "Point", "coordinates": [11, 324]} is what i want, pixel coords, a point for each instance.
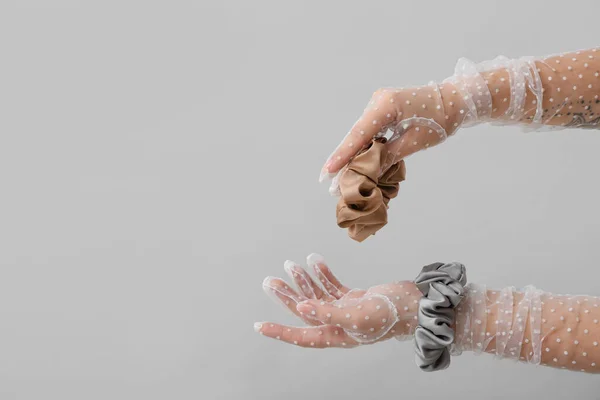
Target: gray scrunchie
{"type": "Point", "coordinates": [443, 288]}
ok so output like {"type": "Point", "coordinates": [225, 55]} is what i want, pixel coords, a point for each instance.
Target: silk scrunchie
{"type": "Point", "coordinates": [442, 286]}
{"type": "Point", "coordinates": [365, 195]}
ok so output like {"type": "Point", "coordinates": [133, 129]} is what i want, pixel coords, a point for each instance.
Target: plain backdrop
{"type": "Point", "coordinates": [158, 159]}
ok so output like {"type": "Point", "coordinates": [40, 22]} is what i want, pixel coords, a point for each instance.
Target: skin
{"type": "Point", "coordinates": [569, 324]}
{"type": "Point", "coordinates": [335, 314]}
{"type": "Point", "coordinates": [571, 90]}
{"type": "Point", "coordinates": [320, 307]}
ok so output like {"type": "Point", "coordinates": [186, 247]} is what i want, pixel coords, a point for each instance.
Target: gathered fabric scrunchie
{"type": "Point", "coordinates": [365, 195]}
{"type": "Point", "coordinates": [442, 286]}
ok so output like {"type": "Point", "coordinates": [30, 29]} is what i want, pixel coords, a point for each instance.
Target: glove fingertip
{"type": "Point", "coordinates": [314, 259]}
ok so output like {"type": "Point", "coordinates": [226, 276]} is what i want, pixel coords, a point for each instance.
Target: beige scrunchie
{"type": "Point", "coordinates": [363, 204]}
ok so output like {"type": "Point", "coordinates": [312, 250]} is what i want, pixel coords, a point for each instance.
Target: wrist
{"type": "Point", "coordinates": [498, 83]}
{"type": "Point", "coordinates": [405, 296]}
{"type": "Point", "coordinates": [453, 104]}
{"type": "Point", "coordinates": [471, 326]}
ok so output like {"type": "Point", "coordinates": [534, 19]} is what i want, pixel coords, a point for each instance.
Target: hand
{"type": "Point", "coordinates": [336, 315]}
{"type": "Point", "coordinates": [417, 116]}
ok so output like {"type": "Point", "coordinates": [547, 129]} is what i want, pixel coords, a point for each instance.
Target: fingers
{"type": "Point", "coordinates": [312, 337]}
{"type": "Point", "coordinates": [303, 281]}
{"type": "Point", "coordinates": [352, 294]}
{"type": "Point", "coordinates": [417, 107]}
{"type": "Point", "coordinates": [412, 138]}
{"type": "Point", "coordinates": [330, 283]}
{"type": "Point", "coordinates": [282, 294]}
{"type": "Point", "coordinates": [379, 114]}
{"type": "Point", "coordinates": [367, 318]}
{"type": "Point", "coordinates": [326, 313]}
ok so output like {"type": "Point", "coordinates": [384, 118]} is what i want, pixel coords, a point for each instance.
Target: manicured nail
{"type": "Point", "coordinates": [257, 327]}
{"type": "Point", "coordinates": [325, 174]}
{"type": "Point", "coordinates": [314, 259]}
{"type": "Point", "coordinates": [288, 265]}
{"type": "Point", "coordinates": [334, 187]}
{"type": "Point", "coordinates": [266, 285]}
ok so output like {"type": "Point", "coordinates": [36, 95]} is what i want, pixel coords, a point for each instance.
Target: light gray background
{"type": "Point", "coordinates": [159, 159]}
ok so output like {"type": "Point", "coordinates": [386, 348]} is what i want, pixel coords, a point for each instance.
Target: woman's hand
{"type": "Point", "coordinates": [559, 90]}
{"type": "Point", "coordinates": [336, 315]}
{"type": "Point", "coordinates": [418, 117]}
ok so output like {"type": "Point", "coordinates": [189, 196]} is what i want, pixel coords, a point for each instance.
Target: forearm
{"type": "Point", "coordinates": [559, 331]}
{"type": "Point", "coordinates": [557, 91]}
{"type": "Point", "coordinates": [560, 90]}
{"type": "Point", "coordinates": [553, 330]}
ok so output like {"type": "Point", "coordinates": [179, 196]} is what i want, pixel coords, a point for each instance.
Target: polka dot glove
{"type": "Point", "coordinates": [337, 316]}
{"type": "Point", "coordinates": [560, 331]}
{"type": "Point", "coordinates": [555, 91]}
{"type": "Point", "coordinates": [417, 116]}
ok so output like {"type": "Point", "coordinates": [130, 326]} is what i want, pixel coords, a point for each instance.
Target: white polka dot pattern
{"type": "Point", "coordinates": [336, 315]}
{"type": "Point", "coordinates": [560, 331]}
{"type": "Point", "coordinates": [413, 118]}
{"type": "Point", "coordinates": [558, 91]}
{"type": "Point", "coordinates": [471, 322]}
{"type": "Point", "coordinates": [474, 92]}
{"type": "Point", "coordinates": [522, 77]}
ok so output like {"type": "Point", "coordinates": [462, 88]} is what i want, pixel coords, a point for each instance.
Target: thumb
{"type": "Point", "coordinates": [413, 135]}
{"type": "Point", "coordinates": [366, 318]}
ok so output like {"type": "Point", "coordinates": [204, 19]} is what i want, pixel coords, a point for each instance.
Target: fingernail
{"type": "Point", "coordinates": [306, 309]}
{"type": "Point", "coordinates": [267, 283]}
{"type": "Point", "coordinates": [290, 269]}
{"type": "Point", "coordinates": [288, 265]}
{"type": "Point", "coordinates": [257, 326]}
{"type": "Point", "coordinates": [334, 188]}
{"type": "Point", "coordinates": [314, 259]}
{"type": "Point", "coordinates": [325, 175]}
{"type": "Point", "coordinates": [271, 290]}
